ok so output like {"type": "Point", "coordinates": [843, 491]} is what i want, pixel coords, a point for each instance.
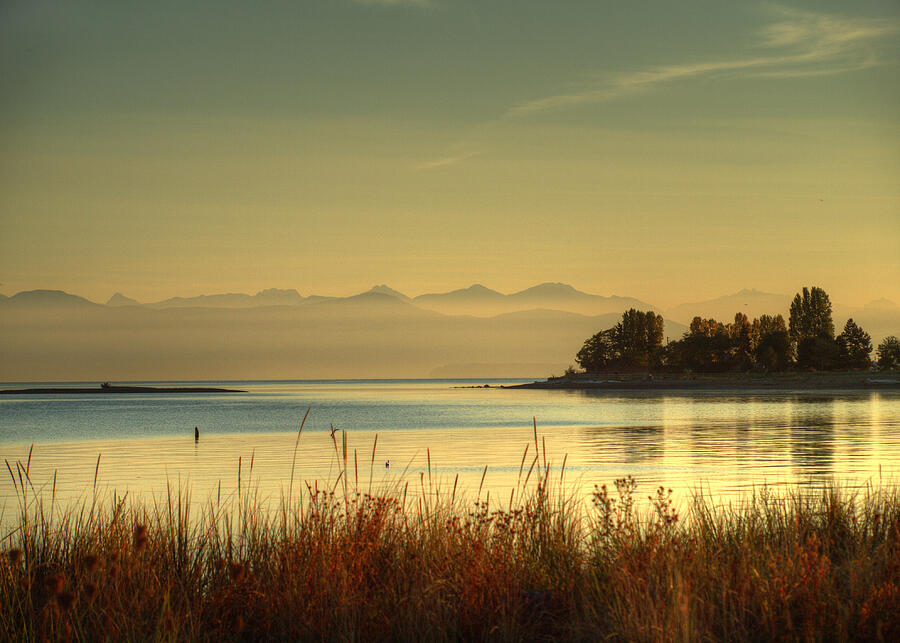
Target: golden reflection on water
{"type": "Point", "coordinates": [740, 446]}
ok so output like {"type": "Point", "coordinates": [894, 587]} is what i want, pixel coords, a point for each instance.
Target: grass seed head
{"type": "Point", "coordinates": [140, 537]}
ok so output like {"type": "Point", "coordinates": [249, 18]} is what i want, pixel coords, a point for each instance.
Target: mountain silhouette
{"type": "Point", "coordinates": [387, 290]}
{"type": "Point", "coordinates": [480, 301]}
{"type": "Point", "coordinates": [47, 299]}
{"type": "Point", "coordinates": [269, 297]}
{"type": "Point", "coordinates": [118, 299]}
{"type": "Point", "coordinates": [881, 304]}
{"type": "Point", "coordinates": [751, 302]}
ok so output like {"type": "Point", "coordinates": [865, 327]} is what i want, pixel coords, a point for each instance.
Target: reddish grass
{"type": "Point", "coordinates": [805, 565]}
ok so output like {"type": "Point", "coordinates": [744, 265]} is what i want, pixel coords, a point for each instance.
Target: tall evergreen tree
{"type": "Point", "coordinates": [812, 329]}
{"type": "Point", "coordinates": [811, 315]}
{"type": "Point", "coordinates": [854, 346]}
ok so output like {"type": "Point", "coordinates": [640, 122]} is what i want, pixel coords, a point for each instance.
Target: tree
{"type": "Point", "coordinates": [639, 337]}
{"type": "Point", "coordinates": [706, 346]}
{"type": "Point", "coordinates": [767, 324]}
{"type": "Point", "coordinates": [774, 351]}
{"type": "Point", "coordinates": [812, 329]}
{"type": "Point", "coordinates": [636, 341]}
{"type": "Point", "coordinates": [811, 315]}
{"type": "Point", "coordinates": [741, 332]}
{"type": "Point", "coordinates": [819, 353]}
{"type": "Point", "coordinates": [772, 344]}
{"type": "Point", "coordinates": [854, 346]}
{"type": "Point", "coordinates": [599, 352]}
{"type": "Point", "coordinates": [889, 352]}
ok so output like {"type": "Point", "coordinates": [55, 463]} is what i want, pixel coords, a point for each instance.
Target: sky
{"type": "Point", "coordinates": [666, 151]}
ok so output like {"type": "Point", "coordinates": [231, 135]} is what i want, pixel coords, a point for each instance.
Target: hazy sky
{"type": "Point", "coordinates": [664, 150]}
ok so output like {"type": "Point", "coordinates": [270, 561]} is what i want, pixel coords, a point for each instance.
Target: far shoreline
{"type": "Point", "coordinates": [116, 390]}
{"type": "Point", "coordinates": [790, 381]}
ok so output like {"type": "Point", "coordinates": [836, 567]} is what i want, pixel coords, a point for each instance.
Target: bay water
{"type": "Point", "coordinates": [441, 433]}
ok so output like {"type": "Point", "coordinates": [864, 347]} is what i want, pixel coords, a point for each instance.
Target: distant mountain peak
{"type": "Point", "coordinates": [752, 292]}
{"type": "Point", "coordinates": [749, 301]}
{"type": "Point", "coordinates": [118, 299]}
{"type": "Point", "coordinates": [551, 288]}
{"type": "Point", "coordinates": [556, 285]}
{"type": "Point", "coordinates": [278, 296]}
{"type": "Point", "coordinates": [47, 298]}
{"type": "Point", "coordinates": [269, 292]}
{"type": "Point", "coordinates": [384, 289]}
{"type": "Point", "coordinates": [881, 304]}
{"type": "Point", "coordinates": [479, 289]}
{"type": "Point", "coordinates": [475, 291]}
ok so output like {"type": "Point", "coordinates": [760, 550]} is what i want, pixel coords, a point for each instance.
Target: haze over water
{"type": "Point", "coordinates": [724, 443]}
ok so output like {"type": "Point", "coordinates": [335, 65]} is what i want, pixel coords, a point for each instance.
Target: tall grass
{"type": "Point", "coordinates": [420, 561]}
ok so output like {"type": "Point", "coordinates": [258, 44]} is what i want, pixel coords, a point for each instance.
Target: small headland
{"type": "Point", "coordinates": [110, 389]}
{"type": "Point", "coordinates": [793, 381]}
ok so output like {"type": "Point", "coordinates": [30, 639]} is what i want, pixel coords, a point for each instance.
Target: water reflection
{"type": "Point", "coordinates": [723, 443]}
{"type": "Point", "coordinates": [812, 429]}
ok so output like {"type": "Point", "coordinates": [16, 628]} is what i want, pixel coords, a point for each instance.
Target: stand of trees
{"type": "Point", "coordinates": [635, 342]}
{"type": "Point", "coordinates": [741, 345]}
{"type": "Point", "coordinates": [807, 340]}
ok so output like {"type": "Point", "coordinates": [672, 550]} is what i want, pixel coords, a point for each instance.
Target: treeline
{"type": "Point", "coordinates": [807, 341]}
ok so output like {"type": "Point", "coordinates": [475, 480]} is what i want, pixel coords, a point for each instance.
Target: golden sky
{"type": "Point", "coordinates": [667, 151]}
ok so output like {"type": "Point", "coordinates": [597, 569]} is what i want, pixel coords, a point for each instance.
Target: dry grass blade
{"type": "Point", "coordinates": [294, 458]}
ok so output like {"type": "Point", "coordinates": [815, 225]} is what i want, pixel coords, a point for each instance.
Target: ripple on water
{"type": "Point", "coordinates": [724, 444]}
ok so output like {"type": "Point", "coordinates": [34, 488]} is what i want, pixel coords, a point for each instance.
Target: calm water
{"type": "Point", "coordinates": [722, 443]}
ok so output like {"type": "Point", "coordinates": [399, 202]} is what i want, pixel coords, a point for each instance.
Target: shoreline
{"type": "Point", "coordinates": [837, 381]}
{"type": "Point", "coordinates": [117, 390]}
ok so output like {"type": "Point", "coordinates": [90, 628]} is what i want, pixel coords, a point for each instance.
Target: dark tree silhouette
{"type": "Point", "coordinates": [639, 337]}
{"type": "Point", "coordinates": [636, 341]}
{"type": "Point", "coordinates": [741, 333]}
{"type": "Point", "coordinates": [706, 346]}
{"type": "Point", "coordinates": [599, 352]}
{"type": "Point", "coordinates": [889, 352]}
{"type": "Point", "coordinates": [812, 329]}
{"type": "Point", "coordinates": [854, 346]}
{"type": "Point", "coordinates": [811, 315]}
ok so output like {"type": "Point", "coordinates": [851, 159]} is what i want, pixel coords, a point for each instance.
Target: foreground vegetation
{"type": "Point", "coordinates": [346, 563]}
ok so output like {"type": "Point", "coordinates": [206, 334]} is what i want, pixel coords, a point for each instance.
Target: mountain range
{"type": "Point", "coordinates": [279, 334]}
{"type": "Point", "coordinates": [476, 300]}
{"type": "Point", "coordinates": [481, 301]}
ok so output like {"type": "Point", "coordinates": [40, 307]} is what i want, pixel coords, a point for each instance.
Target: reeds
{"type": "Point", "coordinates": [427, 563]}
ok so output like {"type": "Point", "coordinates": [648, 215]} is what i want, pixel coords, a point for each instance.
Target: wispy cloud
{"type": "Point", "coordinates": [798, 43]}
{"type": "Point", "coordinates": [457, 154]}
